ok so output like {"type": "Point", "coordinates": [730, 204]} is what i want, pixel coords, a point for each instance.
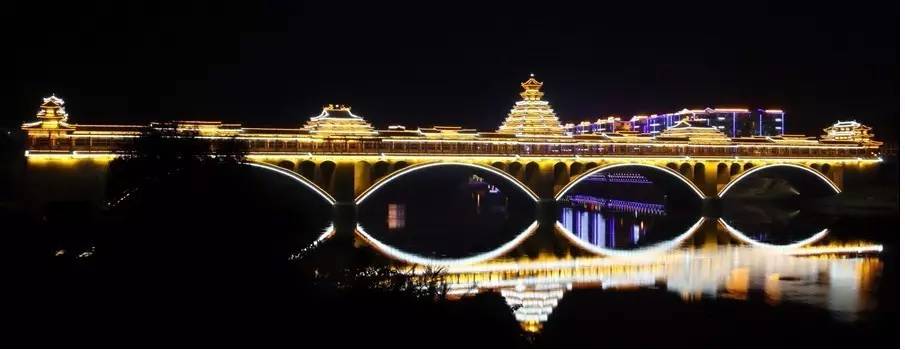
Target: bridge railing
{"type": "Point", "coordinates": [486, 148]}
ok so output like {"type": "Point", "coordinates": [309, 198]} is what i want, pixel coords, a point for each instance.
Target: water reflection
{"type": "Point", "coordinates": [452, 215]}
{"type": "Point", "coordinates": [534, 287]}
{"type": "Point", "coordinates": [621, 210]}
{"type": "Point", "coordinates": [774, 224]}
{"type": "Point", "coordinates": [620, 224]}
{"type": "Point", "coordinates": [643, 230]}
{"type": "Point", "coordinates": [326, 233]}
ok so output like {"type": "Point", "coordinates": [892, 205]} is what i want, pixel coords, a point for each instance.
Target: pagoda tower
{"type": "Point", "coordinates": [532, 116]}
{"type": "Point", "coordinates": [52, 118]}
{"type": "Point", "coordinates": [532, 304]}
{"type": "Point", "coordinates": [339, 120]}
{"type": "Point", "coordinates": [849, 131]}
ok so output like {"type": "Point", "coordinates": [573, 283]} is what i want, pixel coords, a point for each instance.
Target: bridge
{"type": "Point", "coordinates": [343, 157]}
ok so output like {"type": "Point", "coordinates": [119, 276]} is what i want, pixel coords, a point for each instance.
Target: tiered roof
{"type": "Point", "coordinates": [51, 116]}
{"type": "Point", "coordinates": [693, 132]}
{"type": "Point", "coordinates": [339, 120]}
{"type": "Point", "coordinates": [848, 131]}
{"type": "Point", "coordinates": [532, 116]}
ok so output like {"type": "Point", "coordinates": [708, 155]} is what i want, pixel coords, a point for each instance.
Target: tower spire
{"type": "Point", "coordinates": [532, 89]}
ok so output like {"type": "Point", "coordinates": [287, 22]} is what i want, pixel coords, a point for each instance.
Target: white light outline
{"type": "Point", "coordinates": [823, 177]}
{"type": "Point", "coordinates": [392, 176]}
{"type": "Point", "coordinates": [741, 236]}
{"type": "Point", "coordinates": [327, 234]}
{"type": "Point", "coordinates": [295, 176]}
{"type": "Point", "coordinates": [426, 261]}
{"type": "Point", "coordinates": [600, 168]}
{"type": "Point", "coordinates": [633, 253]}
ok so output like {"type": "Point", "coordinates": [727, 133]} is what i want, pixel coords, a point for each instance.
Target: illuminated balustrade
{"type": "Point", "coordinates": [481, 148]}
{"type": "Point", "coordinates": [619, 205]}
{"type": "Point", "coordinates": [532, 129]}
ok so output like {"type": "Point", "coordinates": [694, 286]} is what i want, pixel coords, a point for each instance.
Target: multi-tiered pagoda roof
{"type": "Point", "coordinates": [339, 120]}
{"type": "Point", "coordinates": [532, 116]}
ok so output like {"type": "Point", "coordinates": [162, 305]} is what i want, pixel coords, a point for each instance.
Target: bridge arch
{"type": "Point", "coordinates": [325, 171]}
{"type": "Point", "coordinates": [308, 169]}
{"type": "Point", "coordinates": [412, 258]}
{"type": "Point", "coordinates": [517, 170]}
{"type": "Point", "coordinates": [287, 164]}
{"type": "Point", "coordinates": [379, 170]}
{"type": "Point", "coordinates": [396, 174]}
{"type": "Point", "coordinates": [686, 170]}
{"type": "Point", "coordinates": [575, 169]}
{"type": "Point", "coordinates": [741, 236]}
{"type": "Point", "coordinates": [753, 170]}
{"type": "Point", "coordinates": [560, 174]}
{"type": "Point", "coordinates": [722, 173]}
{"type": "Point", "coordinates": [601, 168]}
{"type": "Point", "coordinates": [295, 176]}
{"type": "Point", "coordinates": [633, 253]}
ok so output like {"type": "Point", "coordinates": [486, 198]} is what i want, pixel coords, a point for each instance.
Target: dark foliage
{"type": "Point", "coordinates": [163, 150]}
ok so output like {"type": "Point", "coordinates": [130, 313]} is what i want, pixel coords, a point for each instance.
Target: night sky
{"type": "Point", "coordinates": [275, 63]}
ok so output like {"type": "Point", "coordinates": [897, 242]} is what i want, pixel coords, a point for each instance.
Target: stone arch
{"type": "Point", "coordinates": [516, 170]}
{"type": "Point", "coordinates": [396, 174]}
{"type": "Point", "coordinates": [422, 260]}
{"type": "Point", "coordinates": [560, 174]}
{"type": "Point", "coordinates": [297, 177]}
{"type": "Point", "coordinates": [325, 173]}
{"type": "Point", "coordinates": [500, 165]}
{"type": "Point", "coordinates": [532, 174]}
{"type": "Point", "coordinates": [400, 165]}
{"type": "Point", "coordinates": [308, 169]}
{"type": "Point", "coordinates": [286, 164]}
{"type": "Point", "coordinates": [722, 173]}
{"type": "Point", "coordinates": [589, 166]}
{"type": "Point", "coordinates": [575, 169]}
{"type": "Point", "coordinates": [686, 170]}
{"type": "Point", "coordinates": [748, 166]}
{"type": "Point", "coordinates": [826, 180]}
{"type": "Point", "coordinates": [825, 169]}
{"type": "Point", "coordinates": [700, 174]}
{"type": "Point", "coordinates": [735, 169]}
{"type": "Point", "coordinates": [668, 171]}
{"type": "Point", "coordinates": [379, 170]}
{"type": "Point", "coordinates": [672, 166]}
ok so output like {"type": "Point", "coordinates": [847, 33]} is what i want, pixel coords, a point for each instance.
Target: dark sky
{"type": "Point", "coordinates": [453, 63]}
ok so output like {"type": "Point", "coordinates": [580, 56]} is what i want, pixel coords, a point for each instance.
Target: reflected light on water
{"type": "Point", "coordinates": [636, 253]}
{"type": "Point", "coordinates": [741, 236]}
{"type": "Point", "coordinates": [821, 276]}
{"type": "Point", "coordinates": [412, 258]}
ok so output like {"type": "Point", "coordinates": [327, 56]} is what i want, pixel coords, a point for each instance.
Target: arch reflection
{"type": "Point", "coordinates": [746, 238]}
{"type": "Point", "coordinates": [628, 210]}
{"type": "Point", "coordinates": [446, 214]}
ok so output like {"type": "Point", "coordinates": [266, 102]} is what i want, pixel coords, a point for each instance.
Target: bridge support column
{"type": "Point", "coordinates": [343, 184]}
{"type": "Point", "coordinates": [709, 183]}
{"type": "Point", "coordinates": [362, 177]}
{"type": "Point", "coordinates": [836, 174]}
{"type": "Point", "coordinates": [542, 184]}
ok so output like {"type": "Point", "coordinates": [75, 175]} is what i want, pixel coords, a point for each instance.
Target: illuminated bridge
{"type": "Point", "coordinates": [343, 157]}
